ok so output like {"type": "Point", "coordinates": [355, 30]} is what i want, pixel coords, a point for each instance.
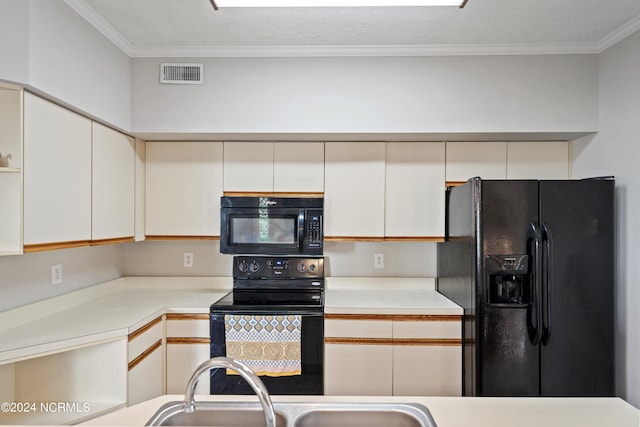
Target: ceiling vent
{"type": "Point", "coordinates": [189, 74]}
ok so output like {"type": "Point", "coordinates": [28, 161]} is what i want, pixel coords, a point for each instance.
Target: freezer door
{"type": "Point", "coordinates": [577, 356]}
{"type": "Point", "coordinates": [511, 363]}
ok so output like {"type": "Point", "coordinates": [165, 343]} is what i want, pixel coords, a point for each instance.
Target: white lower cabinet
{"type": "Point", "coordinates": [358, 357]}
{"type": "Point", "coordinates": [145, 379]}
{"type": "Point", "coordinates": [187, 347]}
{"type": "Point", "coordinates": [388, 355]}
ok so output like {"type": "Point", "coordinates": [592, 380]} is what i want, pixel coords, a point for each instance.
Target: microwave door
{"type": "Point", "coordinates": [273, 233]}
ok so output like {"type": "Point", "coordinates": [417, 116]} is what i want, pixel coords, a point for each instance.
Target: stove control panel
{"type": "Point", "coordinates": [267, 267]}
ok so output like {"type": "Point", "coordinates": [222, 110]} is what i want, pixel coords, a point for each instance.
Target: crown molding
{"type": "Point", "coordinates": [620, 34]}
{"type": "Point", "coordinates": [93, 18]}
{"type": "Point", "coordinates": [360, 50]}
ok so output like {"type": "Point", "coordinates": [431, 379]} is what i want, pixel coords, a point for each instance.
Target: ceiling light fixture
{"type": "Point", "coordinates": [333, 3]}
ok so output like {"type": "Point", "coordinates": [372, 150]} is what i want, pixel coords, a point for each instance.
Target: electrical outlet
{"type": "Point", "coordinates": [56, 274]}
{"type": "Point", "coordinates": [378, 260]}
{"type": "Point", "coordinates": [188, 259]}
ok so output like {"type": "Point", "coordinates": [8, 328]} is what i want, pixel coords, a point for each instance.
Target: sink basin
{"type": "Point", "coordinates": [296, 414]}
{"type": "Point", "coordinates": [366, 415]}
{"type": "Point", "coordinates": [214, 414]}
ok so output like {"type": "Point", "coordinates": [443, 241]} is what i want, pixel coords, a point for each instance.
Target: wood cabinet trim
{"type": "Point", "coordinates": [187, 316]}
{"type": "Point", "coordinates": [435, 342]}
{"type": "Point", "coordinates": [40, 247]}
{"type": "Point", "coordinates": [112, 241]}
{"type": "Point", "coordinates": [414, 238]}
{"type": "Point", "coordinates": [135, 362]}
{"type": "Point", "coordinates": [272, 194]}
{"type": "Point", "coordinates": [177, 237]}
{"type": "Point", "coordinates": [354, 239]}
{"type": "Point", "coordinates": [396, 317]}
{"type": "Point", "coordinates": [188, 340]}
{"type": "Point", "coordinates": [454, 183]}
{"type": "Point", "coordinates": [135, 334]}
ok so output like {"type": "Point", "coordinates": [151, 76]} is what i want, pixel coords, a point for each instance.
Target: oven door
{"type": "Point", "coordinates": [309, 382]}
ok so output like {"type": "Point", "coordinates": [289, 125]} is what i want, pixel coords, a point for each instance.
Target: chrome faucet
{"type": "Point", "coordinates": [256, 384]}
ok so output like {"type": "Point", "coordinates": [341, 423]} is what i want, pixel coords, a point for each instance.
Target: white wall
{"type": "Point", "coordinates": [47, 46]}
{"type": "Point", "coordinates": [71, 61]}
{"type": "Point", "coordinates": [536, 93]}
{"type": "Point", "coordinates": [402, 259]}
{"type": "Point", "coordinates": [27, 278]}
{"type": "Point", "coordinates": [14, 39]}
{"type": "Point", "coordinates": [615, 150]}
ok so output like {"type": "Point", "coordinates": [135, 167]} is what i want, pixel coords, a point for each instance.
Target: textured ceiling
{"type": "Point", "coordinates": [174, 27]}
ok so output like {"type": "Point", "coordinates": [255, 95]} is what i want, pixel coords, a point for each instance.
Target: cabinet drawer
{"type": "Point", "coordinates": [428, 329]}
{"type": "Point", "coordinates": [144, 338]}
{"type": "Point", "coordinates": [336, 328]}
{"type": "Point", "coordinates": [187, 325]}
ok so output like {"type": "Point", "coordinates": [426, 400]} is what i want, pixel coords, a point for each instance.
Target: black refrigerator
{"type": "Point", "coordinates": [532, 265]}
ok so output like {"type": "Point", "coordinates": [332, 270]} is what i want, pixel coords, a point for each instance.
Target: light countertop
{"type": "Point", "coordinates": [446, 411]}
{"type": "Point", "coordinates": [383, 295]}
{"type": "Point", "coordinates": [106, 311]}
{"type": "Point", "coordinates": [116, 308]}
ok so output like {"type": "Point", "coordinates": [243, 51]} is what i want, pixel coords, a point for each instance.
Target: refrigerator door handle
{"type": "Point", "coordinates": [535, 324]}
{"type": "Point", "coordinates": [547, 283]}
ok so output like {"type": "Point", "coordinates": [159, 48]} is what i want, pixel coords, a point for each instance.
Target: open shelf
{"type": "Point", "coordinates": [68, 387]}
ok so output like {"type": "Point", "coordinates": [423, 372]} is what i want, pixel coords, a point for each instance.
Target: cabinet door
{"type": "Point", "coordinates": [57, 173]}
{"type": "Point", "coordinates": [358, 369]}
{"type": "Point", "coordinates": [465, 160]}
{"type": "Point", "coordinates": [183, 188]}
{"type": "Point", "coordinates": [354, 189]}
{"type": "Point", "coordinates": [113, 184]}
{"type": "Point", "coordinates": [358, 357]}
{"type": "Point", "coordinates": [298, 167]}
{"type": "Point", "coordinates": [427, 357]}
{"type": "Point", "coordinates": [248, 167]}
{"type": "Point", "coordinates": [538, 160]}
{"type": "Point", "coordinates": [145, 380]}
{"type": "Point", "coordinates": [427, 370]}
{"type": "Point", "coordinates": [188, 345]}
{"type": "Point", "coordinates": [145, 363]}
{"type": "Point", "coordinates": [415, 190]}
{"type": "Point", "coordinates": [182, 361]}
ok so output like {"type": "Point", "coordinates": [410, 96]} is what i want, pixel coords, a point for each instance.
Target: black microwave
{"type": "Point", "coordinates": [271, 225]}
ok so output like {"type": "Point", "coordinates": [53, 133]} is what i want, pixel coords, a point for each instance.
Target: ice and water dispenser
{"type": "Point", "coordinates": [508, 279]}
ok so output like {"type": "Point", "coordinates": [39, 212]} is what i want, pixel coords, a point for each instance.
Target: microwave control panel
{"type": "Point", "coordinates": [314, 228]}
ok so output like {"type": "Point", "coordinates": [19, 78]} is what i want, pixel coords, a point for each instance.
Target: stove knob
{"type": "Point", "coordinates": [243, 266]}
{"type": "Point", "coordinates": [312, 268]}
{"type": "Point", "coordinates": [254, 266]}
{"type": "Point", "coordinates": [302, 268]}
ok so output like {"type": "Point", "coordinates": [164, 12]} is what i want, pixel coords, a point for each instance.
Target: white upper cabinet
{"type": "Point", "coordinates": [183, 188]}
{"type": "Point", "coordinates": [57, 174]}
{"type": "Point", "coordinates": [465, 160]}
{"type": "Point", "coordinates": [10, 170]}
{"type": "Point", "coordinates": [298, 167]}
{"type": "Point", "coordinates": [268, 167]}
{"type": "Point", "coordinates": [113, 183]}
{"type": "Point", "coordinates": [415, 190]}
{"type": "Point", "coordinates": [354, 190]}
{"type": "Point", "coordinates": [248, 166]}
{"type": "Point", "coordinates": [538, 160]}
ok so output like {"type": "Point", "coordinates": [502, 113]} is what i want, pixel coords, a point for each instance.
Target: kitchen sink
{"type": "Point", "coordinates": [295, 414]}
{"type": "Point", "coordinates": [366, 415]}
